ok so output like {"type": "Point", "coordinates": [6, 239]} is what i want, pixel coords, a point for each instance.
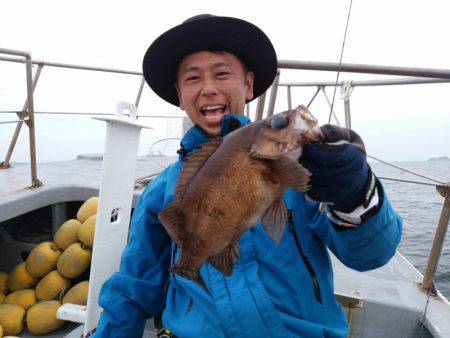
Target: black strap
{"type": "Point", "coordinates": [305, 259]}
{"type": "Point", "coordinates": [157, 320]}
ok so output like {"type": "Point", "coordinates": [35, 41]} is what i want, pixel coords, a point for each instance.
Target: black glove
{"type": "Point", "coordinates": [340, 173]}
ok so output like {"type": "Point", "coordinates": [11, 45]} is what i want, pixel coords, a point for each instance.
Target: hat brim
{"type": "Point", "coordinates": [241, 38]}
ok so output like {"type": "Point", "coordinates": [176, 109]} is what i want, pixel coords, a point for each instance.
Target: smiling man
{"type": "Point", "coordinates": [211, 85]}
{"type": "Point", "coordinates": [210, 67]}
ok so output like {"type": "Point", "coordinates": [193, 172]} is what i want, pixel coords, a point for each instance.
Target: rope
{"type": "Point", "coordinates": [411, 172]}
{"type": "Point", "coordinates": [329, 105]}
{"type": "Point", "coordinates": [346, 90]}
{"type": "Point", "coordinates": [425, 311]}
{"type": "Point", "coordinates": [340, 60]}
{"type": "Point", "coordinates": [406, 181]}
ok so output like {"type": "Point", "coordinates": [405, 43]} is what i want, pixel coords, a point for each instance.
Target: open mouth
{"type": "Point", "coordinates": [287, 146]}
{"type": "Point", "coordinates": [213, 113]}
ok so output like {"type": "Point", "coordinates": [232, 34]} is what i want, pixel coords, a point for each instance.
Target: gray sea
{"type": "Point", "coordinates": [420, 206]}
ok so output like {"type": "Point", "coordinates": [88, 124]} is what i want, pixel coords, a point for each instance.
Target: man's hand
{"type": "Point", "coordinates": [340, 173]}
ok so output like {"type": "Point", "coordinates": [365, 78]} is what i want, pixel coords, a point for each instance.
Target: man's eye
{"type": "Point", "coordinates": [192, 78]}
{"type": "Point", "coordinates": [221, 74]}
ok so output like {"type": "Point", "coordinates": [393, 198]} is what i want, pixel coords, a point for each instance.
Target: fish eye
{"type": "Point", "coordinates": [279, 122]}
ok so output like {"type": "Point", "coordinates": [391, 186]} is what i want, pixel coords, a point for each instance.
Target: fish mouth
{"type": "Point", "coordinates": [213, 113]}
{"type": "Point", "coordinates": [286, 147]}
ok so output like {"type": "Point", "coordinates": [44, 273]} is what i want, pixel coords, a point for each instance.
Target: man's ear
{"type": "Point", "coordinates": [179, 97]}
{"type": "Point", "coordinates": [249, 79]}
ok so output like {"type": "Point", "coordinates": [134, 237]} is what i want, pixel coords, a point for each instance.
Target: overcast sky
{"type": "Point", "coordinates": [400, 123]}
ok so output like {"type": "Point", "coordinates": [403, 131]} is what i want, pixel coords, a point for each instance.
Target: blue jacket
{"type": "Point", "coordinates": [271, 292]}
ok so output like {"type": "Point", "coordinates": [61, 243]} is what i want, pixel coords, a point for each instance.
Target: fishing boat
{"type": "Point", "coordinates": [393, 301]}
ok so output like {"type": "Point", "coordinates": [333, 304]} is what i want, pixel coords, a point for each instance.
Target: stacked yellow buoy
{"type": "Point", "coordinates": [36, 288]}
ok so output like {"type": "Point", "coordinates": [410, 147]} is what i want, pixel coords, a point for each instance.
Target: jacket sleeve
{"type": "Point", "coordinates": [371, 245]}
{"type": "Point", "coordinates": [135, 293]}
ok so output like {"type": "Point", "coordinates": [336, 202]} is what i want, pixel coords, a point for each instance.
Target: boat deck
{"type": "Point", "coordinates": [390, 302]}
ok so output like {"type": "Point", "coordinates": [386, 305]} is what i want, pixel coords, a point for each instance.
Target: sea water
{"type": "Point", "coordinates": [420, 207]}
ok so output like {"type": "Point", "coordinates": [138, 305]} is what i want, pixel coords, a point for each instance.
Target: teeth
{"type": "Point", "coordinates": [285, 147]}
{"type": "Point", "coordinates": [217, 106]}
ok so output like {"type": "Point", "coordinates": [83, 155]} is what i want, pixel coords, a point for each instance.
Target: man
{"type": "Point", "coordinates": [210, 67]}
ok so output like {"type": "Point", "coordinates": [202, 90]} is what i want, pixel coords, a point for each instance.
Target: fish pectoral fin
{"type": "Point", "coordinates": [192, 165]}
{"type": "Point", "coordinates": [169, 218]}
{"type": "Point", "coordinates": [223, 261]}
{"type": "Point", "coordinates": [274, 220]}
{"type": "Point", "coordinates": [189, 273]}
{"type": "Point", "coordinates": [292, 174]}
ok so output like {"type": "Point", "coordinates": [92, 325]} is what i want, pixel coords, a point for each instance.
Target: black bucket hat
{"type": "Point", "coordinates": [211, 33]}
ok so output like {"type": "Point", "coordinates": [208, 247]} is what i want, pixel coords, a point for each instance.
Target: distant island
{"type": "Point", "coordinates": [441, 158]}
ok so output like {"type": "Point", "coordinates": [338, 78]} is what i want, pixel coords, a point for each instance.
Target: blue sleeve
{"type": "Point", "coordinates": [367, 247]}
{"type": "Point", "coordinates": [135, 293]}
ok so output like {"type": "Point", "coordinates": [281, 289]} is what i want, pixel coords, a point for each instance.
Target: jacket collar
{"type": "Point", "coordinates": [196, 136]}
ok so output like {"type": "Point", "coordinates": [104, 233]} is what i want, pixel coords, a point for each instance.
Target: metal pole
{"type": "Point", "coordinates": [348, 120]}
{"type": "Point", "coordinates": [346, 91]}
{"type": "Point", "coordinates": [369, 69]}
{"type": "Point", "coordinates": [89, 114]}
{"type": "Point", "coordinates": [66, 65]}
{"type": "Point", "coordinates": [329, 103]}
{"type": "Point", "coordinates": [260, 106]}
{"type": "Point", "coordinates": [289, 97]}
{"type": "Point", "coordinates": [314, 96]}
{"type": "Point", "coordinates": [273, 94]}
{"type": "Point", "coordinates": [436, 249]}
{"type": "Point", "coordinates": [21, 115]}
{"type": "Point", "coordinates": [7, 122]}
{"type": "Point", "coordinates": [367, 83]}
{"type": "Point", "coordinates": [34, 180]}
{"type": "Point", "coordinates": [287, 64]}
{"type": "Point", "coordinates": [138, 97]}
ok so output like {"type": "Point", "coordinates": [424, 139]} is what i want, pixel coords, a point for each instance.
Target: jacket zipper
{"type": "Point", "coordinates": [304, 258]}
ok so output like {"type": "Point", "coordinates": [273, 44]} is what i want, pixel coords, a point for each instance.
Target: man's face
{"type": "Point", "coordinates": [211, 85]}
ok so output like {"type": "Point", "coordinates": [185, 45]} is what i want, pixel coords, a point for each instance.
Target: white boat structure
{"type": "Point", "coordinates": [393, 301]}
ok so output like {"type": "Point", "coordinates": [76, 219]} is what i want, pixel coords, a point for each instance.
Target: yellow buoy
{"type": "Point", "coordinates": [3, 284]}
{"type": "Point", "coordinates": [87, 231]}
{"type": "Point", "coordinates": [88, 208]}
{"type": "Point", "coordinates": [67, 233]}
{"type": "Point", "coordinates": [24, 298]}
{"type": "Point", "coordinates": [52, 286]}
{"type": "Point", "coordinates": [11, 318]}
{"type": "Point", "coordinates": [20, 278]}
{"type": "Point", "coordinates": [74, 261]}
{"type": "Point", "coordinates": [78, 294]}
{"type": "Point", "coordinates": [41, 318]}
{"type": "Point", "coordinates": [42, 259]}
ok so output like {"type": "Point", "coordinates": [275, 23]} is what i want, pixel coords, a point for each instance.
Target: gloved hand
{"type": "Point", "coordinates": [340, 173]}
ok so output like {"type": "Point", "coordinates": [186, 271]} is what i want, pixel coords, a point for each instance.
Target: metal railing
{"type": "Point", "coordinates": [26, 115]}
{"type": "Point", "coordinates": [416, 76]}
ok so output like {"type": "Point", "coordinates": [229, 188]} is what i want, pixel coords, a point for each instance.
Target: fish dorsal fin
{"type": "Point", "coordinates": [170, 219]}
{"type": "Point", "coordinates": [223, 261]}
{"type": "Point", "coordinates": [292, 174]}
{"type": "Point", "coordinates": [274, 220]}
{"type": "Point", "coordinates": [192, 165]}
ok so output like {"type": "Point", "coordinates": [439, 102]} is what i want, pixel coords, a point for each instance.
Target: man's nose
{"type": "Point", "coordinates": [209, 87]}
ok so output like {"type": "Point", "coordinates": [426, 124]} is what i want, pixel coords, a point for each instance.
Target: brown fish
{"type": "Point", "coordinates": [227, 186]}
